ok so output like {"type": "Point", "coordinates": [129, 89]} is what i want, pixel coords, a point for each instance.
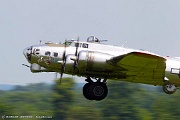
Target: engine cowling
{"type": "Point", "coordinates": [69, 65]}
{"type": "Point", "coordinates": [93, 61]}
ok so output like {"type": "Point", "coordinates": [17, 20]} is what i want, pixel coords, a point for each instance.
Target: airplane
{"type": "Point", "coordinates": [98, 62]}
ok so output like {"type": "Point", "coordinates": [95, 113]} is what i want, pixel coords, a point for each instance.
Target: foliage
{"type": "Point", "coordinates": [125, 101]}
{"type": "Point", "coordinates": [62, 98]}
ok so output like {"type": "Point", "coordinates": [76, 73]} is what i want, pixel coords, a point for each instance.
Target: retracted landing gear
{"type": "Point", "coordinates": [95, 90]}
{"type": "Point", "coordinates": [169, 88]}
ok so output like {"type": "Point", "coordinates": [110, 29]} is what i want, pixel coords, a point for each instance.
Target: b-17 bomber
{"type": "Point", "coordinates": [98, 62]}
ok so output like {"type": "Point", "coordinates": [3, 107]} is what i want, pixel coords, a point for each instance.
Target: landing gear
{"type": "Point", "coordinates": [95, 90]}
{"type": "Point", "coordinates": [86, 91]}
{"type": "Point", "coordinates": [169, 88]}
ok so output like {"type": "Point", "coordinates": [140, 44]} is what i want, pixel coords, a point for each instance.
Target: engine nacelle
{"type": "Point", "coordinates": [93, 61]}
{"type": "Point", "coordinates": [35, 68]}
{"type": "Point", "coordinates": [69, 65]}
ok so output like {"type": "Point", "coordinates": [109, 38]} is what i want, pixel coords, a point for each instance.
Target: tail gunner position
{"type": "Point", "coordinates": [99, 62]}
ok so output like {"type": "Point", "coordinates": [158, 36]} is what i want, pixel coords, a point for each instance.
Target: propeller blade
{"type": "Point", "coordinates": [63, 62]}
{"type": "Point", "coordinates": [77, 45]}
{"type": "Point", "coordinates": [62, 72]}
{"type": "Point", "coordinates": [55, 75]}
{"type": "Point", "coordinates": [64, 53]}
{"type": "Point", "coordinates": [76, 53]}
{"type": "Point", "coordinates": [60, 78]}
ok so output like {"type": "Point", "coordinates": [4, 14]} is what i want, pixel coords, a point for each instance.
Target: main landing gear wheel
{"type": "Point", "coordinates": [98, 91]}
{"type": "Point", "coordinates": [86, 91]}
{"type": "Point", "coordinates": [169, 88]}
{"type": "Point", "coordinates": [95, 91]}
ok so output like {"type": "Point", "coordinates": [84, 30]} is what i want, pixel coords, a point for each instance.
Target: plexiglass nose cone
{"type": "Point", "coordinates": [27, 53]}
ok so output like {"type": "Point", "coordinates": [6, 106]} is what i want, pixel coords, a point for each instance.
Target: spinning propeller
{"type": "Point", "coordinates": [63, 62]}
{"type": "Point", "coordinates": [76, 53]}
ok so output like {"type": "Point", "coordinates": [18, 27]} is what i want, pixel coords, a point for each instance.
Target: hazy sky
{"type": "Point", "coordinates": [152, 25]}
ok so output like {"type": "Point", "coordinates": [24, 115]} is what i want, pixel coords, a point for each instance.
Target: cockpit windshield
{"type": "Point", "coordinates": [68, 43]}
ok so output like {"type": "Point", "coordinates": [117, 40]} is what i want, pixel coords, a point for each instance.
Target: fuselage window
{"type": "Point", "coordinates": [83, 45]}
{"type": "Point", "coordinates": [55, 54]}
{"type": "Point", "coordinates": [48, 53]}
{"type": "Point", "coordinates": [76, 44]}
{"type": "Point", "coordinates": [37, 51]}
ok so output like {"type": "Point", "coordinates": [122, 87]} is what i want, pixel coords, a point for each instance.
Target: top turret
{"type": "Point", "coordinates": [94, 39]}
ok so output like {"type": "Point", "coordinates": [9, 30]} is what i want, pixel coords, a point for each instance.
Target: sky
{"type": "Point", "coordinates": [152, 25]}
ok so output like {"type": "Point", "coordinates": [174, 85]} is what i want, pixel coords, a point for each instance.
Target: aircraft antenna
{"type": "Point", "coordinates": [124, 44]}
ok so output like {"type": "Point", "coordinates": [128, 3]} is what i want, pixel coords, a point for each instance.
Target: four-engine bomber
{"type": "Point", "coordinates": [99, 62]}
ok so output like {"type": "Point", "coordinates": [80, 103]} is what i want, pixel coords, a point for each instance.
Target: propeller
{"type": "Point", "coordinates": [63, 62]}
{"type": "Point", "coordinates": [76, 53]}
{"type": "Point", "coordinates": [56, 75]}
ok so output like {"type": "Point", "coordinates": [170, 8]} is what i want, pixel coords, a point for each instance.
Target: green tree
{"type": "Point", "coordinates": [62, 98]}
{"type": "Point", "coordinates": [84, 113]}
{"type": "Point", "coordinates": [166, 107]}
{"type": "Point", "coordinates": [6, 109]}
{"type": "Point", "coordinates": [27, 102]}
{"type": "Point", "coordinates": [120, 104]}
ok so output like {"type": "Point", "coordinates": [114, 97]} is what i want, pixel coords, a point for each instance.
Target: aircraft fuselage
{"type": "Point", "coordinates": [92, 59]}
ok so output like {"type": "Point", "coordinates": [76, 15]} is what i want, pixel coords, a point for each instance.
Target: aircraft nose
{"type": "Point", "coordinates": [27, 53]}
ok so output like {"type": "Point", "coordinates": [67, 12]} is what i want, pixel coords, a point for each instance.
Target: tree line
{"type": "Point", "coordinates": [125, 101]}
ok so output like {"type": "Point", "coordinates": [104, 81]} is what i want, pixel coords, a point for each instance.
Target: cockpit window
{"type": "Point", "coordinates": [67, 43]}
{"type": "Point", "coordinates": [48, 53]}
{"type": "Point", "coordinates": [55, 54]}
{"type": "Point", "coordinates": [37, 49]}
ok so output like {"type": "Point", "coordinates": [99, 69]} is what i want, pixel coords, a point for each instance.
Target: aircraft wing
{"type": "Point", "coordinates": [141, 67]}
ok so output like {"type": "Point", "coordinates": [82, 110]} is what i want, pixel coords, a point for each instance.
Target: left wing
{"type": "Point", "coordinates": [141, 67]}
